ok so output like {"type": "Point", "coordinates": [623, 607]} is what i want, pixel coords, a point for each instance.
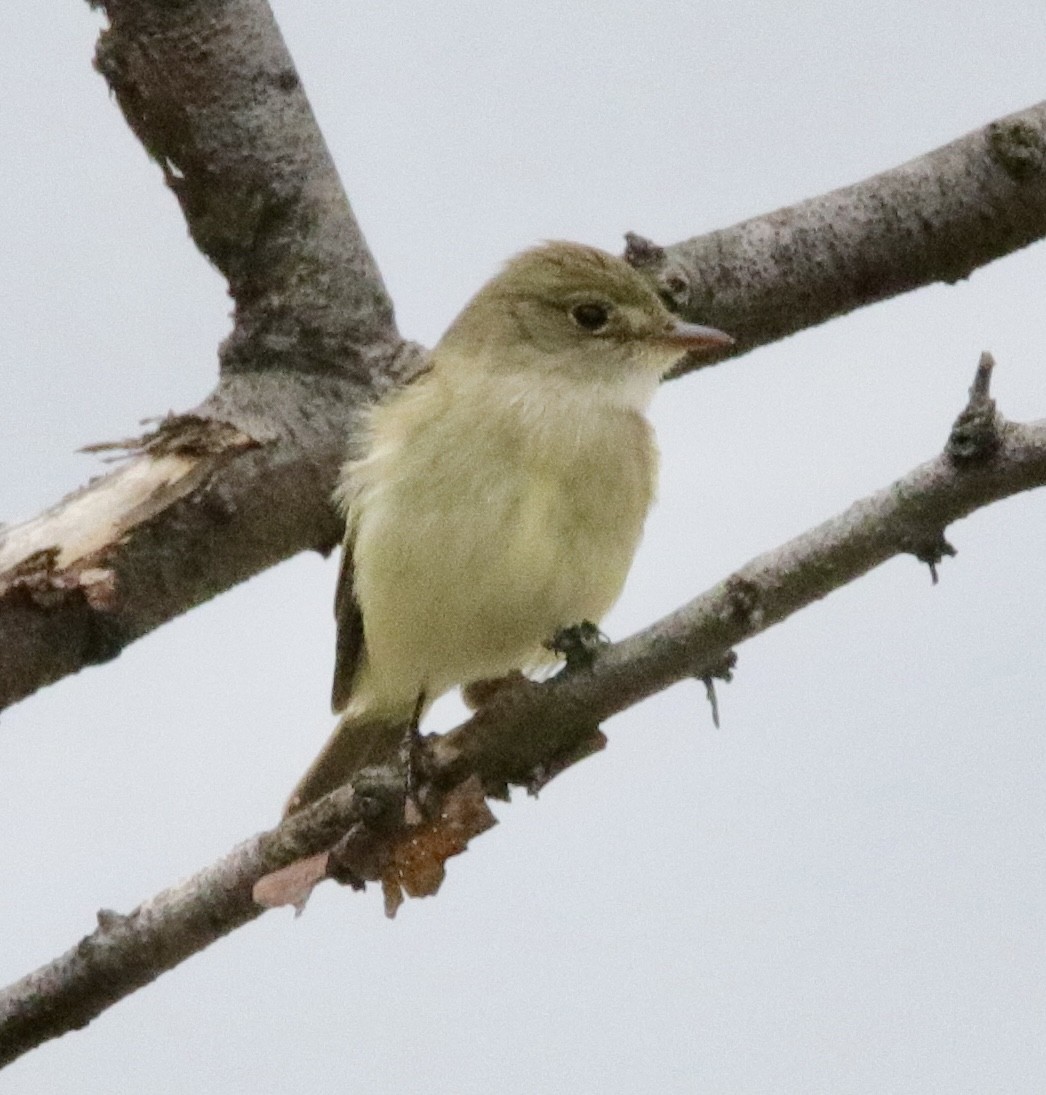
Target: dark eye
{"type": "Point", "coordinates": [592, 317]}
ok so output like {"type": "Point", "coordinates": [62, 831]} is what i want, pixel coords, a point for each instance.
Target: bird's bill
{"type": "Point", "coordinates": [693, 336]}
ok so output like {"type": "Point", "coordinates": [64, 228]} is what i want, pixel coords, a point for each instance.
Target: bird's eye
{"type": "Point", "coordinates": [591, 316]}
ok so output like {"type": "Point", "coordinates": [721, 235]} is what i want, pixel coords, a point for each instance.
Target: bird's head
{"type": "Point", "coordinates": [578, 314]}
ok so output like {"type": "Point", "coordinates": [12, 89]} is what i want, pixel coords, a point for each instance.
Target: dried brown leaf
{"type": "Point", "coordinates": [417, 863]}
{"type": "Point", "coordinates": [293, 884]}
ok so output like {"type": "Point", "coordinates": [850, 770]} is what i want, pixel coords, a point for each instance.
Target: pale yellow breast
{"type": "Point", "coordinates": [479, 534]}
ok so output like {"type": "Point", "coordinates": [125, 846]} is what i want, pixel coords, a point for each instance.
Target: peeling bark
{"type": "Point", "coordinates": [244, 480]}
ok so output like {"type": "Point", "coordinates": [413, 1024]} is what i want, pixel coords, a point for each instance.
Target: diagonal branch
{"type": "Point", "coordinates": [126, 952]}
{"type": "Point", "coordinates": [934, 219]}
{"type": "Point", "coordinates": [212, 93]}
{"type": "Point", "coordinates": [530, 729]}
{"type": "Point", "coordinates": [986, 459]}
{"type": "Point", "coordinates": [244, 481]}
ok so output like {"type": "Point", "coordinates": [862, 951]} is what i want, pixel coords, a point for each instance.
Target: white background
{"type": "Point", "coordinates": [842, 890]}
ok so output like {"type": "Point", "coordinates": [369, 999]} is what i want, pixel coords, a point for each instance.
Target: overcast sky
{"type": "Point", "coordinates": [842, 889]}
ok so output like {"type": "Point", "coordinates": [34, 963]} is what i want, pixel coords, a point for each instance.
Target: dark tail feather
{"type": "Point", "coordinates": [356, 742]}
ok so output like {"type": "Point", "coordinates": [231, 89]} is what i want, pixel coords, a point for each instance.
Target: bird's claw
{"type": "Point", "coordinates": [579, 645]}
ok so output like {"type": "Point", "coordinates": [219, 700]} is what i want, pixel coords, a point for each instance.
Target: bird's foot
{"type": "Point", "coordinates": [579, 645]}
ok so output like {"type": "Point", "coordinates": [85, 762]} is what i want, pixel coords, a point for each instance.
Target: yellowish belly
{"type": "Point", "coordinates": [465, 571]}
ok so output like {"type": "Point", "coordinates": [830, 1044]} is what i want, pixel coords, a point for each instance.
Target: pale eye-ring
{"type": "Point", "coordinates": [591, 316]}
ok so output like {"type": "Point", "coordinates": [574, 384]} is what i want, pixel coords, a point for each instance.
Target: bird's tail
{"type": "Point", "coordinates": [360, 738]}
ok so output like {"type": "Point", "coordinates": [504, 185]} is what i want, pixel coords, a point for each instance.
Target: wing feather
{"type": "Point", "coordinates": [348, 648]}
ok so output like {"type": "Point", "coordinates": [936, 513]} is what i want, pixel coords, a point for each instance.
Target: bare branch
{"type": "Point", "coordinates": [203, 506]}
{"type": "Point", "coordinates": [126, 952]}
{"type": "Point", "coordinates": [523, 727]}
{"type": "Point", "coordinates": [242, 482]}
{"type": "Point", "coordinates": [937, 218]}
{"type": "Point", "coordinates": [530, 731]}
{"type": "Point", "coordinates": [212, 93]}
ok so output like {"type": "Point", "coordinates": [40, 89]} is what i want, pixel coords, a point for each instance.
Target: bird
{"type": "Point", "coordinates": [498, 498]}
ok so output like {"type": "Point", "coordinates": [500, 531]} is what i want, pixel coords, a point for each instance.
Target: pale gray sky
{"type": "Point", "coordinates": [843, 889]}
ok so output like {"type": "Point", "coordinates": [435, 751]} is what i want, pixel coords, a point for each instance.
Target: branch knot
{"type": "Point", "coordinates": [1018, 147]}
{"type": "Point", "coordinates": [976, 434]}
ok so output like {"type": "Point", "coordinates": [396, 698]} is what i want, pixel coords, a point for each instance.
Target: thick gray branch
{"type": "Point", "coordinates": [210, 90]}
{"type": "Point", "coordinates": [536, 728]}
{"type": "Point", "coordinates": [203, 506]}
{"type": "Point", "coordinates": [935, 219]}
{"type": "Point", "coordinates": [243, 481]}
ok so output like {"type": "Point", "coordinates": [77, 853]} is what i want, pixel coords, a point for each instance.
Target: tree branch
{"type": "Point", "coordinates": [125, 952]}
{"type": "Point", "coordinates": [212, 93]}
{"type": "Point", "coordinates": [531, 730]}
{"type": "Point", "coordinates": [243, 481]}
{"type": "Point", "coordinates": [936, 218]}
{"type": "Point", "coordinates": [985, 460]}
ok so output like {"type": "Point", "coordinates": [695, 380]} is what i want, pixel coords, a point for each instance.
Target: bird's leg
{"type": "Point", "coordinates": [409, 748]}
{"type": "Point", "coordinates": [579, 645]}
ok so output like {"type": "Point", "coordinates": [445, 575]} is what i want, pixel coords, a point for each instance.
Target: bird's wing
{"type": "Point", "coordinates": [349, 644]}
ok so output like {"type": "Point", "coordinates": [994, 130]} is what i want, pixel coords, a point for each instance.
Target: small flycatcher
{"type": "Point", "coordinates": [500, 496]}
